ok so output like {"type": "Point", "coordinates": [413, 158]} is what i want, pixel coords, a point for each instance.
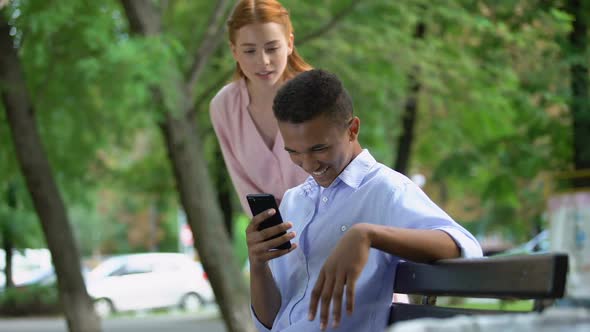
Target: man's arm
{"type": "Point", "coordinates": [347, 260]}
{"type": "Point", "coordinates": [265, 295]}
{"type": "Point", "coordinates": [418, 245]}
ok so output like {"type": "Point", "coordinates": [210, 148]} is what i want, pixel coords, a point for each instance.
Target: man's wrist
{"type": "Point", "coordinates": [366, 232]}
{"type": "Point", "coordinates": [257, 267]}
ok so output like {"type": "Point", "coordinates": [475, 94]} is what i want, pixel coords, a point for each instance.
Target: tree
{"type": "Point", "coordinates": [174, 95]}
{"type": "Point", "coordinates": [580, 86]}
{"type": "Point", "coordinates": [45, 194]}
{"type": "Point", "coordinates": [409, 116]}
{"type": "Point", "coordinates": [7, 233]}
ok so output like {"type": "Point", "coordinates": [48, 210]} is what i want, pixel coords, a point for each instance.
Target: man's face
{"type": "Point", "coordinates": [321, 147]}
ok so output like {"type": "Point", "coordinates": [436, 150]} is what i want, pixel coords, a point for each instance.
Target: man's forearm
{"type": "Point", "coordinates": [264, 294]}
{"type": "Point", "coordinates": [419, 245]}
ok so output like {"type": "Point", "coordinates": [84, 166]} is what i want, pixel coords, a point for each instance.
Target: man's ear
{"type": "Point", "coordinates": [354, 128]}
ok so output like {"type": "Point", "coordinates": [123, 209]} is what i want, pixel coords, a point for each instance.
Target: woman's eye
{"type": "Point", "coordinates": [249, 51]}
{"type": "Point", "coordinates": [272, 50]}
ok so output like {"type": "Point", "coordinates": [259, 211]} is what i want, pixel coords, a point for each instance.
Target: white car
{"type": "Point", "coordinates": [148, 281]}
{"type": "Point", "coordinates": [29, 266]}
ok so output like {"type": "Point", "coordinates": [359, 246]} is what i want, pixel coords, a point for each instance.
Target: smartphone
{"type": "Point", "coordinates": [262, 202]}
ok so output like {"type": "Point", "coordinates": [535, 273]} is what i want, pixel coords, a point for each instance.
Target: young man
{"type": "Point", "coordinates": [350, 222]}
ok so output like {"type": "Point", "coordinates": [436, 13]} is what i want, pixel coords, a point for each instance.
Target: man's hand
{"type": "Point", "coordinates": [259, 249]}
{"type": "Point", "coordinates": [342, 268]}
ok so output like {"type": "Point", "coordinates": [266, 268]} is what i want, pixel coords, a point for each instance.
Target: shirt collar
{"type": "Point", "coordinates": [358, 168]}
{"type": "Point", "coordinates": [352, 175]}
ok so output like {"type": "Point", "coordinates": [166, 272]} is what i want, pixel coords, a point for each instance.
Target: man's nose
{"type": "Point", "coordinates": [308, 163]}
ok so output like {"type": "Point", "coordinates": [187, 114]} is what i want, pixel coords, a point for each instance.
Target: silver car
{"type": "Point", "coordinates": [148, 281]}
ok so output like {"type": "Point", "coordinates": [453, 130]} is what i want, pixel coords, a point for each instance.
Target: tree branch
{"type": "Point", "coordinates": [209, 44]}
{"type": "Point", "coordinates": [330, 24]}
{"type": "Point", "coordinates": [224, 77]}
{"type": "Point", "coordinates": [143, 17]}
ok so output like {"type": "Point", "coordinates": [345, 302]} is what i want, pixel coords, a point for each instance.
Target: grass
{"type": "Point", "coordinates": [509, 305]}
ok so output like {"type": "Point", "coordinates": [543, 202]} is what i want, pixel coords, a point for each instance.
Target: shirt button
{"type": "Point", "coordinates": [343, 228]}
{"type": "Point", "coordinates": [324, 199]}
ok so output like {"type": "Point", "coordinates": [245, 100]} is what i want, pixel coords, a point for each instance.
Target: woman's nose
{"type": "Point", "coordinates": [264, 58]}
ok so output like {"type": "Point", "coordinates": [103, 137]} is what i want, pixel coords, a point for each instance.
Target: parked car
{"type": "Point", "coordinates": [29, 266]}
{"type": "Point", "coordinates": [148, 281]}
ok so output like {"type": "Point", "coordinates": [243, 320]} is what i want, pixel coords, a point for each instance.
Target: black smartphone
{"type": "Point", "coordinates": [262, 202]}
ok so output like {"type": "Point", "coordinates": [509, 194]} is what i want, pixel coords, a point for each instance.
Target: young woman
{"type": "Point", "coordinates": [262, 43]}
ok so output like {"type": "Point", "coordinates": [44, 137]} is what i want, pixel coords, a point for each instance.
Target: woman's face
{"type": "Point", "coordinates": [262, 51]}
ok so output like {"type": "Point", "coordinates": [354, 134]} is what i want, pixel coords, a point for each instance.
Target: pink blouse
{"type": "Point", "coordinates": [253, 167]}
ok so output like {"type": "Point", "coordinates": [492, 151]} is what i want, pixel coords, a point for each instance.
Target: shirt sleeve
{"type": "Point", "coordinates": [469, 246]}
{"type": "Point", "coordinates": [242, 183]}
{"type": "Point", "coordinates": [414, 209]}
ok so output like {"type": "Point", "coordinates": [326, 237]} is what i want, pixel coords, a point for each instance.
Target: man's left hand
{"type": "Point", "coordinates": [341, 270]}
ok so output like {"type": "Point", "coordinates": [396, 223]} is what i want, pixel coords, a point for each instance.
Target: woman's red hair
{"type": "Point", "coordinates": [265, 11]}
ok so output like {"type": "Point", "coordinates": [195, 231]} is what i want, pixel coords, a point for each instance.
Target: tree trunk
{"type": "Point", "coordinates": [49, 206]}
{"type": "Point", "coordinates": [197, 194]}
{"type": "Point", "coordinates": [224, 191]}
{"type": "Point", "coordinates": [7, 237]}
{"type": "Point", "coordinates": [406, 139]}
{"type": "Point", "coordinates": [8, 247]}
{"type": "Point", "coordinates": [580, 98]}
{"type": "Point", "coordinates": [212, 242]}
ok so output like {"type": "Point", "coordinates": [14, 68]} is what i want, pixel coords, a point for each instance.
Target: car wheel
{"type": "Point", "coordinates": [104, 307]}
{"type": "Point", "coordinates": [191, 302]}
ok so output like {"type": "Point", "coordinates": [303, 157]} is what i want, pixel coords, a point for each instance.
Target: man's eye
{"type": "Point", "coordinates": [249, 51]}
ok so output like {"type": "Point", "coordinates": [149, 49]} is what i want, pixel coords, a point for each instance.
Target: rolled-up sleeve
{"type": "Point", "coordinates": [468, 245]}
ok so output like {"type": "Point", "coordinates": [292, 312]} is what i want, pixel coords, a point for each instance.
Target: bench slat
{"type": "Point", "coordinates": [401, 312]}
{"type": "Point", "coordinates": [525, 277]}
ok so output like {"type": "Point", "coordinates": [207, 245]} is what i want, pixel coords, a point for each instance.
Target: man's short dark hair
{"type": "Point", "coordinates": [311, 94]}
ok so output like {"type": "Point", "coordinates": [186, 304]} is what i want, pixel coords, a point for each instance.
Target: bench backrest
{"type": "Point", "coordinates": [539, 277]}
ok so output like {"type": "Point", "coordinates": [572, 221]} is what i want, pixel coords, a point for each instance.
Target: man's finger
{"type": "Point", "coordinates": [254, 236]}
{"type": "Point", "coordinates": [259, 218]}
{"type": "Point", "coordinates": [270, 244]}
{"type": "Point", "coordinates": [337, 299]}
{"type": "Point", "coordinates": [275, 230]}
{"type": "Point", "coordinates": [269, 255]}
{"type": "Point", "coordinates": [326, 298]}
{"type": "Point", "coordinates": [315, 296]}
{"type": "Point", "coordinates": [350, 283]}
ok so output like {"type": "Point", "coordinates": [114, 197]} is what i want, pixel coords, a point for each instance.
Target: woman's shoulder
{"type": "Point", "coordinates": [229, 95]}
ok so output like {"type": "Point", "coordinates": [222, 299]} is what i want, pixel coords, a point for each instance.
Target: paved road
{"type": "Point", "coordinates": [158, 323]}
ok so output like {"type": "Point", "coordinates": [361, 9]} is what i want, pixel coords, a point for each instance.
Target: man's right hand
{"type": "Point", "coordinates": [259, 249]}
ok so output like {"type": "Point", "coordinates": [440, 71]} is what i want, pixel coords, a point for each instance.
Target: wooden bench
{"type": "Point", "coordinates": [540, 277]}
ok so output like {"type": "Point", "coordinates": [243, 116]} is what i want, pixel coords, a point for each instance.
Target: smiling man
{"type": "Point", "coordinates": [350, 222]}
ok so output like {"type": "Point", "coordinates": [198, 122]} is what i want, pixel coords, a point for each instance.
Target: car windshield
{"type": "Point", "coordinates": [107, 267]}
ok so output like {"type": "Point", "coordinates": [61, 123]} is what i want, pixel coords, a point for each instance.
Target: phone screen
{"type": "Point", "coordinates": [262, 202]}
